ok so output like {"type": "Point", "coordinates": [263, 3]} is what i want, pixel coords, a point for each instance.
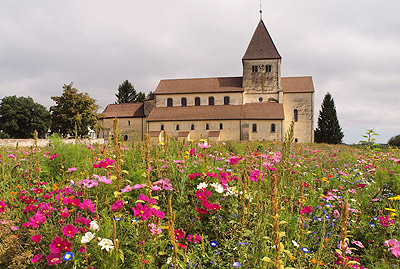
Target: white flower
{"type": "Point", "coordinates": [106, 244]}
{"type": "Point", "coordinates": [202, 185]}
{"type": "Point", "coordinates": [87, 237]}
{"type": "Point", "coordinates": [218, 187]}
{"type": "Point", "coordinates": [94, 226]}
{"type": "Point", "coordinates": [295, 244]}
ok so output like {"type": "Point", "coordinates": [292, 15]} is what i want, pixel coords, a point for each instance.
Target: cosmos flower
{"type": "Point", "coordinates": [36, 258]}
{"type": "Point", "coordinates": [36, 238]}
{"type": "Point", "coordinates": [87, 237]}
{"type": "Point", "coordinates": [106, 244]}
{"type": "Point", "coordinates": [142, 211]}
{"type": "Point", "coordinates": [117, 205]}
{"type": "Point", "coordinates": [69, 230]}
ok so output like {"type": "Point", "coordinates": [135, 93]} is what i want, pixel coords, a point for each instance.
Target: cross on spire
{"type": "Point", "coordinates": [260, 11]}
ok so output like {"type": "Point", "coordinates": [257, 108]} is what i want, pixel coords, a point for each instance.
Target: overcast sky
{"type": "Point", "coordinates": [351, 48]}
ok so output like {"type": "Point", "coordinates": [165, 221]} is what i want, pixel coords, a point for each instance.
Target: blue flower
{"type": "Point", "coordinates": [242, 243]}
{"type": "Point", "coordinates": [67, 256]}
{"type": "Point", "coordinates": [213, 244]}
{"type": "Point", "coordinates": [118, 219]}
{"type": "Point", "coordinates": [236, 264]}
{"type": "Point", "coordinates": [371, 224]}
{"type": "Point", "coordinates": [305, 250]}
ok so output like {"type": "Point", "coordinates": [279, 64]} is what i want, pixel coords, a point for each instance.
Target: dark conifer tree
{"type": "Point", "coordinates": [126, 93]}
{"type": "Point", "coordinates": [328, 130]}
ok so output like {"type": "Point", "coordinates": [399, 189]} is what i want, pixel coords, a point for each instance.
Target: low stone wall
{"type": "Point", "coordinates": [45, 142]}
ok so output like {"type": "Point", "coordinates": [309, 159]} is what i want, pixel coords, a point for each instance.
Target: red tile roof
{"type": "Point", "coordinates": [261, 45]}
{"type": "Point", "coordinates": [297, 84]}
{"type": "Point", "coordinates": [199, 85]}
{"type": "Point", "coordinates": [220, 112]}
{"type": "Point", "coordinates": [125, 110]}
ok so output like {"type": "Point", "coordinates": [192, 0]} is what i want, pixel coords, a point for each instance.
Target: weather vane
{"type": "Point", "coordinates": [260, 11]}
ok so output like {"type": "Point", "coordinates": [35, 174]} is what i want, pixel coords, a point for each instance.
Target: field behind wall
{"type": "Point", "coordinates": [199, 205]}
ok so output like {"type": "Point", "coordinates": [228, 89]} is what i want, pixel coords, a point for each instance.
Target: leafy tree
{"type": "Point", "coordinates": [328, 130]}
{"type": "Point", "coordinates": [74, 113]}
{"type": "Point", "coordinates": [127, 94]}
{"type": "Point", "coordinates": [21, 116]}
{"type": "Point", "coordinates": [394, 141]}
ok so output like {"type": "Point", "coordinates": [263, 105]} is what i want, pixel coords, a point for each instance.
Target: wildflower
{"type": "Point", "coordinates": [305, 250]}
{"type": "Point", "coordinates": [68, 256]}
{"type": "Point", "coordinates": [194, 239]}
{"type": "Point", "coordinates": [154, 229]}
{"type": "Point", "coordinates": [36, 258]}
{"type": "Point", "coordinates": [179, 234]}
{"type": "Point", "coordinates": [234, 160]}
{"type": "Point", "coordinates": [236, 264]}
{"type": "Point", "coordinates": [158, 213]}
{"type": "Point", "coordinates": [36, 238]}
{"type": "Point", "coordinates": [144, 198]}
{"type": "Point", "coordinates": [357, 243]}
{"type": "Point", "coordinates": [336, 213]}
{"type": "Point", "coordinates": [295, 244]}
{"type": "Point", "coordinates": [396, 198]}
{"type": "Point", "coordinates": [106, 244]}
{"type": "Point", "coordinates": [306, 210]}
{"type": "Point", "coordinates": [117, 205]}
{"type": "Point", "coordinates": [314, 261]}
{"type": "Point", "coordinates": [72, 169]}
{"type": "Point", "coordinates": [102, 179]}
{"type": "Point", "coordinates": [87, 204]}
{"type": "Point", "coordinates": [54, 258]}
{"type": "Point", "coordinates": [58, 245]}
{"type": "Point", "coordinates": [204, 145]}
{"type": "Point", "coordinates": [255, 175]}
{"type": "Point", "coordinates": [93, 226]}
{"type": "Point", "coordinates": [213, 244]}
{"type": "Point", "coordinates": [142, 211]}
{"type": "Point", "coordinates": [385, 221]}
{"type": "Point", "coordinates": [69, 230]}
{"type": "Point", "coordinates": [394, 247]}
{"type": "Point", "coordinates": [202, 185]}
{"type": "Point", "coordinates": [87, 237]}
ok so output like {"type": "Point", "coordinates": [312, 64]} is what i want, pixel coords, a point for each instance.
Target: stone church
{"type": "Point", "coordinates": [259, 105]}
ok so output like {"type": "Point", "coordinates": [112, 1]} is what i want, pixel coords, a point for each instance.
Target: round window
{"type": "Point", "coordinates": [260, 99]}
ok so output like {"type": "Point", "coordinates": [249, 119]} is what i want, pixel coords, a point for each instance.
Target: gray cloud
{"type": "Point", "coordinates": [351, 48]}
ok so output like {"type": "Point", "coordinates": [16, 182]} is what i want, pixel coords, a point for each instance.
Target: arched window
{"type": "Point", "coordinates": [254, 129]}
{"type": "Point", "coordinates": [169, 102]}
{"type": "Point", "coordinates": [273, 128]}
{"type": "Point", "coordinates": [183, 101]}
{"type": "Point", "coordinates": [125, 138]}
{"type": "Point", "coordinates": [207, 126]}
{"type": "Point", "coordinates": [296, 140]}
{"type": "Point", "coordinates": [296, 115]}
{"type": "Point", "coordinates": [177, 127]}
{"type": "Point", "coordinates": [129, 122]}
{"type": "Point", "coordinates": [221, 126]}
{"type": "Point", "coordinates": [192, 127]}
{"type": "Point", "coordinates": [162, 127]}
{"type": "Point", "coordinates": [210, 101]}
{"type": "Point", "coordinates": [197, 101]}
{"type": "Point", "coordinates": [226, 100]}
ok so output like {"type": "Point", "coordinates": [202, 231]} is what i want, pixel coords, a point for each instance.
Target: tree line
{"type": "Point", "coordinates": [71, 116]}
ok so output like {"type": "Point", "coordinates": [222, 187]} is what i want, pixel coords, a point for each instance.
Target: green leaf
{"type": "Point", "coordinates": [266, 259]}
{"type": "Point", "coordinates": [125, 172]}
{"type": "Point", "coordinates": [117, 194]}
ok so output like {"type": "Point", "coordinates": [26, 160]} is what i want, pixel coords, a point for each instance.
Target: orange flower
{"type": "Point", "coordinates": [314, 261]}
{"type": "Point", "coordinates": [19, 187]}
{"type": "Point", "coordinates": [321, 263]}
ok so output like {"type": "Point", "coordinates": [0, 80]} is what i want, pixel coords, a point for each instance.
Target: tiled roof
{"type": "Point", "coordinates": [200, 85]}
{"type": "Point", "coordinates": [125, 110]}
{"type": "Point", "coordinates": [297, 84]}
{"type": "Point", "coordinates": [261, 45]}
{"type": "Point", "coordinates": [220, 112]}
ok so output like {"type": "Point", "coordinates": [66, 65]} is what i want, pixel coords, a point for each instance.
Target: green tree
{"type": "Point", "coordinates": [328, 130]}
{"type": "Point", "coordinates": [21, 116]}
{"type": "Point", "coordinates": [127, 94]}
{"type": "Point", "coordinates": [394, 141]}
{"type": "Point", "coordinates": [74, 113]}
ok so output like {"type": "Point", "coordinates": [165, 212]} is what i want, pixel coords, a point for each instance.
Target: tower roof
{"type": "Point", "coordinates": [261, 45]}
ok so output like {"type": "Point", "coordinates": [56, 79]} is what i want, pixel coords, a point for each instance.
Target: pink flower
{"type": "Point", "coordinates": [37, 258]}
{"type": "Point", "coordinates": [58, 245]}
{"type": "Point", "coordinates": [385, 221]}
{"type": "Point", "coordinates": [336, 213]}
{"type": "Point", "coordinates": [193, 239]}
{"type": "Point", "coordinates": [36, 238]}
{"type": "Point", "coordinates": [357, 243]}
{"type": "Point", "coordinates": [87, 204]}
{"type": "Point", "coordinates": [179, 234]}
{"type": "Point", "coordinates": [233, 160]}
{"type": "Point", "coordinates": [142, 211]}
{"type": "Point", "coordinates": [143, 197]}
{"type": "Point", "coordinates": [165, 185]}
{"type": "Point", "coordinates": [204, 145]}
{"type": "Point", "coordinates": [117, 205]}
{"type": "Point", "coordinates": [394, 247]}
{"type": "Point", "coordinates": [69, 230]}
{"type": "Point", "coordinates": [158, 213]}
{"type": "Point", "coordinates": [64, 212]}
{"type": "Point", "coordinates": [72, 169]}
{"type": "Point", "coordinates": [2, 206]}
{"type": "Point", "coordinates": [102, 179]}
{"type": "Point", "coordinates": [306, 210]}
{"type": "Point", "coordinates": [54, 258]}
{"type": "Point", "coordinates": [255, 175]}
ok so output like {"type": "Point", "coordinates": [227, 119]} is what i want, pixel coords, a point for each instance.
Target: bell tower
{"type": "Point", "coordinates": [261, 64]}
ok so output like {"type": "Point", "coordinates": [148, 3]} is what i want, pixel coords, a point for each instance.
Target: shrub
{"type": "Point", "coordinates": [394, 141]}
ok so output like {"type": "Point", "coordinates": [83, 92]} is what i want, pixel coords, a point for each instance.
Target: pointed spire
{"type": "Point", "coordinates": [261, 45]}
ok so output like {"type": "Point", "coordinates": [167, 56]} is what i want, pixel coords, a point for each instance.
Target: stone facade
{"type": "Point", "coordinates": [260, 105]}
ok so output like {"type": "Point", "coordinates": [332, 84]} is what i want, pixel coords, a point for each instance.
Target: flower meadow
{"type": "Point", "coordinates": [199, 204]}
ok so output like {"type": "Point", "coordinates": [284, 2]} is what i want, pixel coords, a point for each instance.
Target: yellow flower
{"type": "Point", "coordinates": [396, 198]}
{"type": "Point", "coordinates": [314, 174]}
{"type": "Point", "coordinates": [390, 209]}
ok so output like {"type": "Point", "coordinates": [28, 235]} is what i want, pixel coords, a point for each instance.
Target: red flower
{"type": "Point", "coordinates": [69, 230]}
{"type": "Point", "coordinates": [36, 238]}
{"type": "Point", "coordinates": [306, 210]}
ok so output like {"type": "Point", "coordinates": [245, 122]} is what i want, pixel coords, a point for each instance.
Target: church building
{"type": "Point", "coordinates": [259, 105]}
